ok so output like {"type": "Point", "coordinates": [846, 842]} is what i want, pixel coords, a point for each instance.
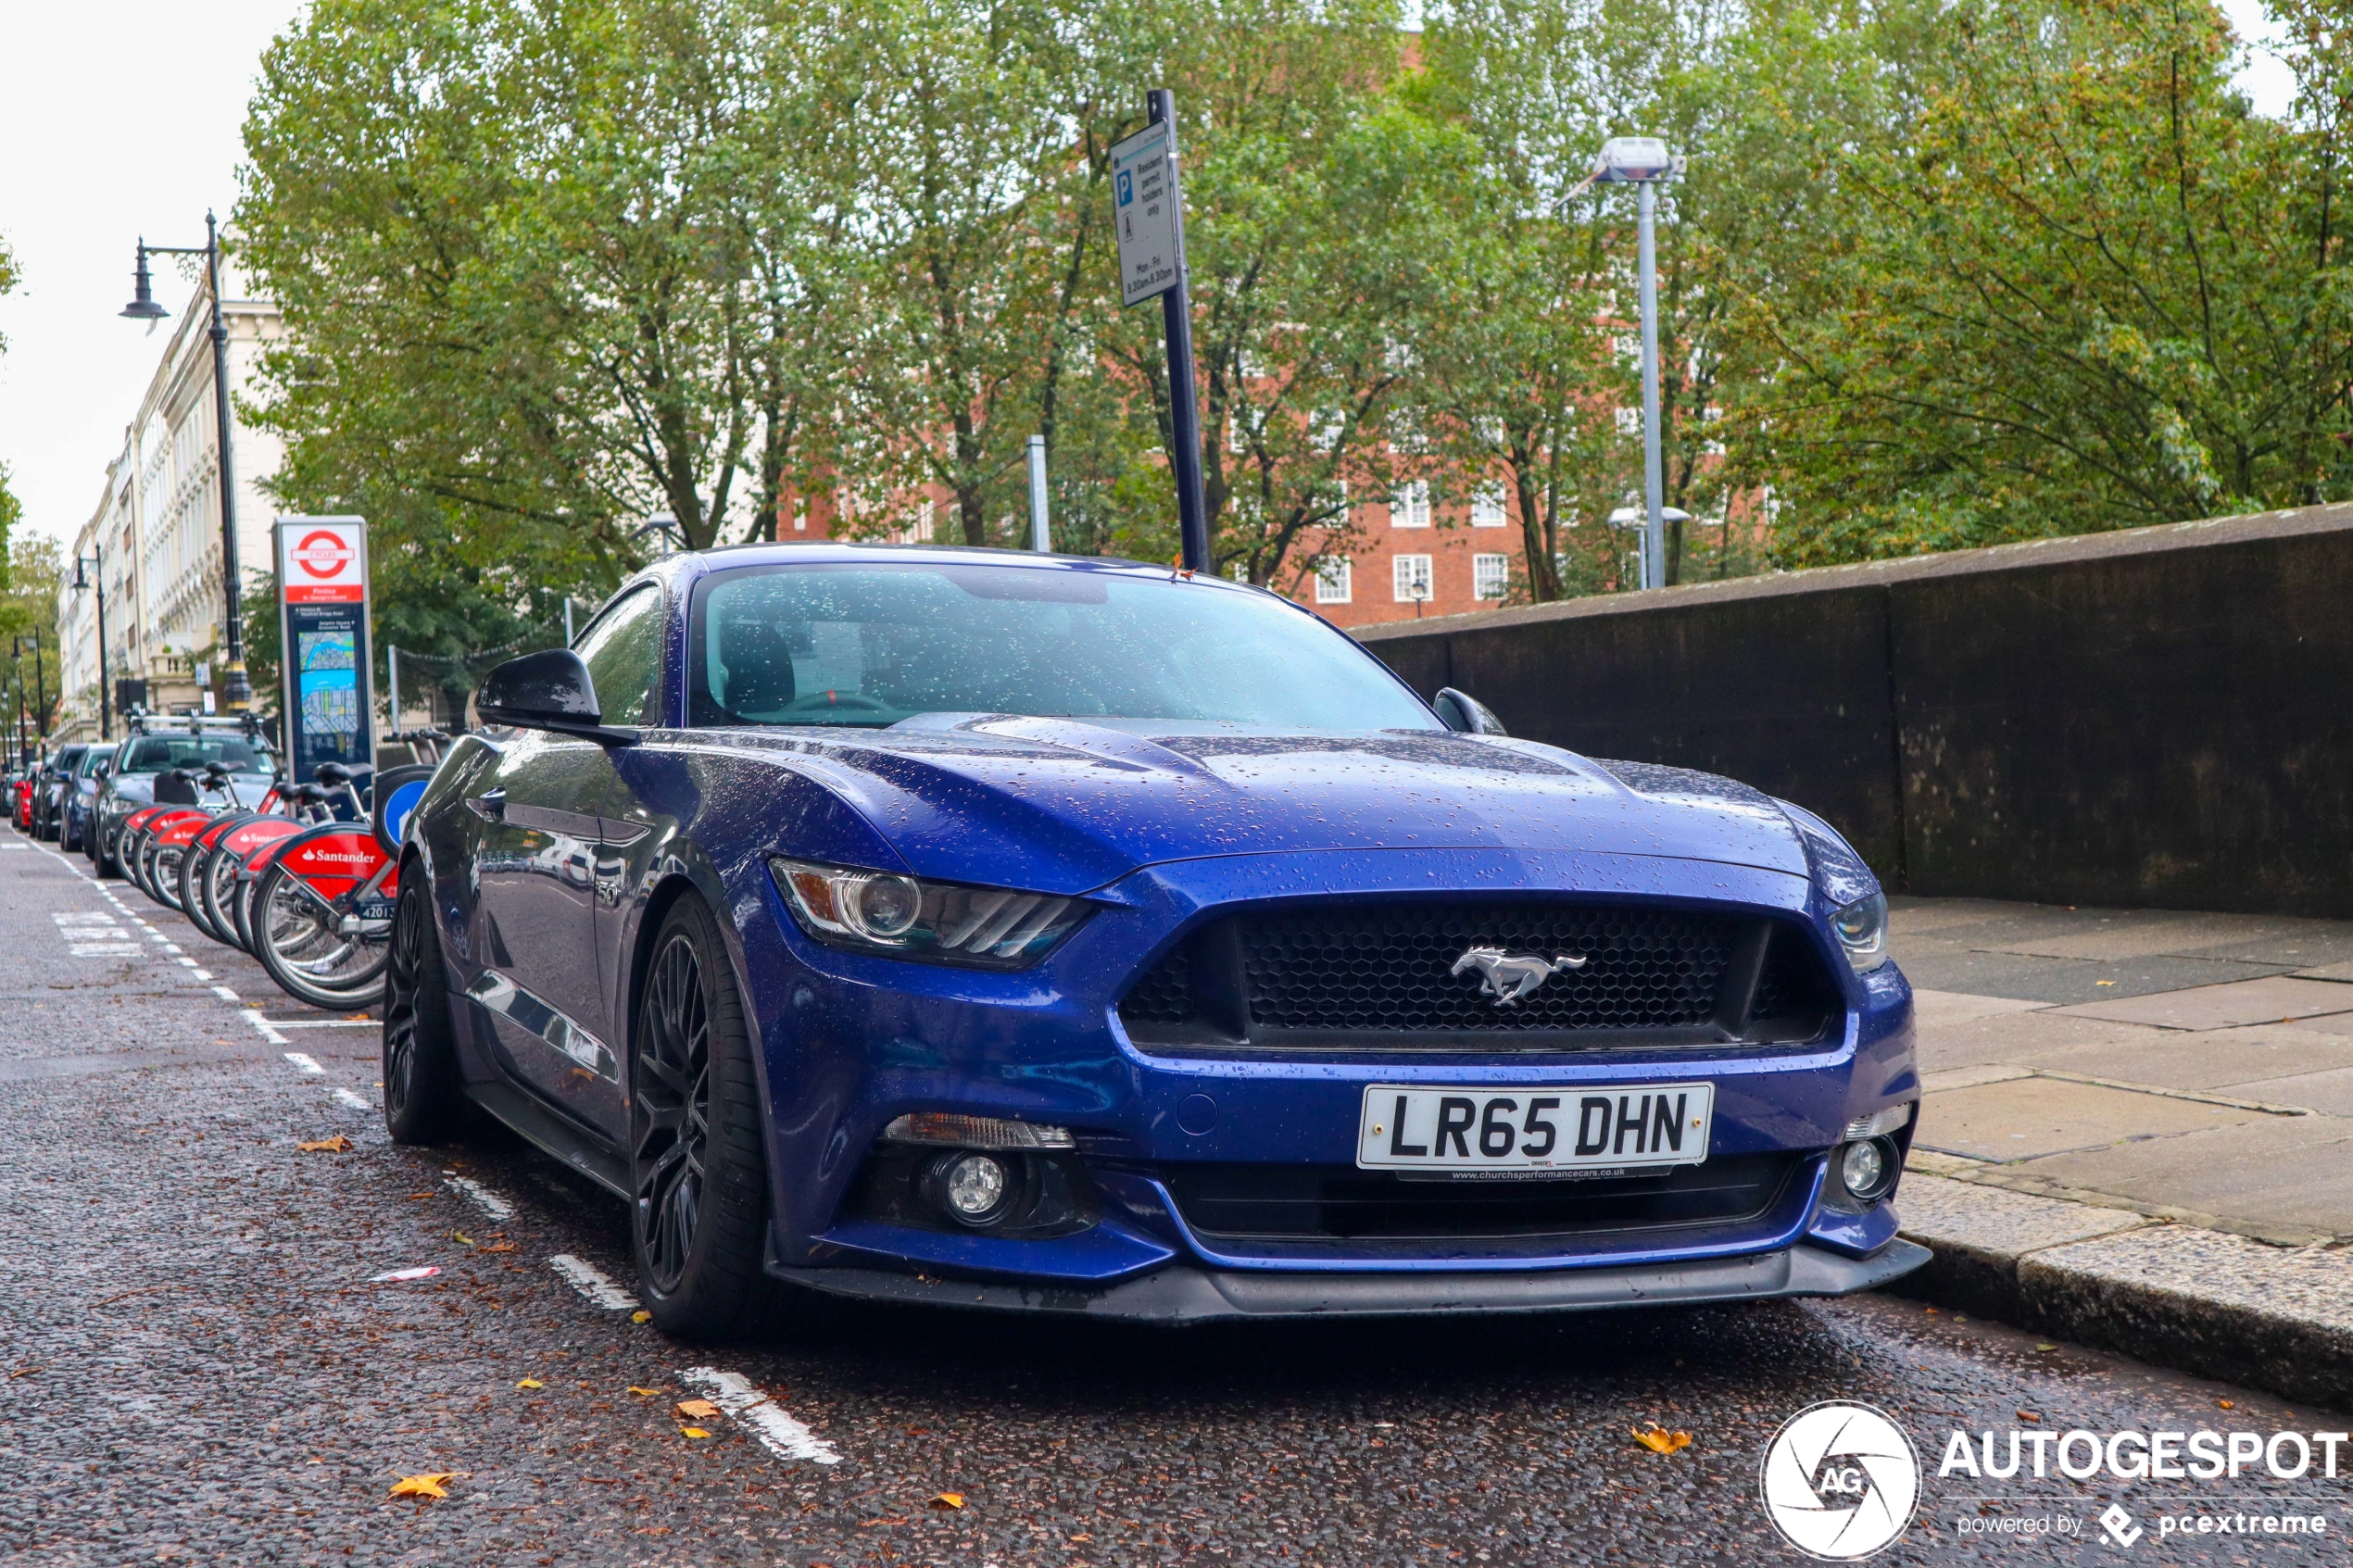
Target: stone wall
{"type": "Point", "coordinates": [2161, 716]}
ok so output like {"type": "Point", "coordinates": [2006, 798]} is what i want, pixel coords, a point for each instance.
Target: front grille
{"type": "Point", "coordinates": [1380, 969]}
{"type": "Point", "coordinates": [1305, 1202]}
{"type": "Point", "coordinates": [1411, 975]}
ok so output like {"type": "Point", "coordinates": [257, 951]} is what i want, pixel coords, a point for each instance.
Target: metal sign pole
{"type": "Point", "coordinates": [1177, 317]}
{"type": "Point", "coordinates": [1148, 208]}
{"type": "Point", "coordinates": [1041, 537]}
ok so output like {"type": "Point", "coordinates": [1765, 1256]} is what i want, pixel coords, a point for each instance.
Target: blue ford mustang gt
{"type": "Point", "coordinates": [1063, 935]}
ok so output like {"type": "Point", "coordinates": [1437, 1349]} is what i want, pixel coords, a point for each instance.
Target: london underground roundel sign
{"type": "Point", "coordinates": [323, 563]}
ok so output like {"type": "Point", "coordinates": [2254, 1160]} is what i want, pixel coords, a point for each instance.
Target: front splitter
{"type": "Point", "coordinates": [1184, 1293]}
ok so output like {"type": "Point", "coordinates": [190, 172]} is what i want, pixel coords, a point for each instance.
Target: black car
{"type": "Point", "coordinates": [49, 790]}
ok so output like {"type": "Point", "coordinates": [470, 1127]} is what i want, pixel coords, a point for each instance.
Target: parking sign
{"type": "Point", "coordinates": [1144, 210]}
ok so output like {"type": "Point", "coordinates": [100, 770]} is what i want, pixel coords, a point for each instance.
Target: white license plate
{"type": "Point", "coordinates": [1406, 1128]}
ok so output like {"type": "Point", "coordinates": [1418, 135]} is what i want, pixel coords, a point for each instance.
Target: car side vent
{"type": "Point", "coordinates": [1357, 977]}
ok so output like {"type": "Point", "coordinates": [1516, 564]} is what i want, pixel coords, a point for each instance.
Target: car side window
{"type": "Point", "coordinates": [622, 651]}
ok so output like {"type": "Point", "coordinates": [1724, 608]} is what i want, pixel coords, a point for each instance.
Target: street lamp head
{"type": "Point", "coordinates": [1634, 159]}
{"type": "Point", "coordinates": [79, 582]}
{"type": "Point", "coordinates": [143, 306]}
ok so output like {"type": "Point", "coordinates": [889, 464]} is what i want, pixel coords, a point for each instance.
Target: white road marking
{"type": "Point", "coordinates": [5, 847]}
{"type": "Point", "coordinates": [326, 1023]}
{"type": "Point", "coordinates": [225, 993]}
{"type": "Point", "coordinates": [353, 1100]}
{"type": "Point", "coordinates": [172, 948]}
{"type": "Point", "coordinates": [306, 1064]}
{"type": "Point", "coordinates": [99, 950]}
{"type": "Point", "coordinates": [490, 1203]}
{"type": "Point", "coordinates": [253, 1016]}
{"type": "Point", "coordinates": [590, 1281]}
{"type": "Point", "coordinates": [82, 917]}
{"type": "Point", "coordinates": [778, 1432]}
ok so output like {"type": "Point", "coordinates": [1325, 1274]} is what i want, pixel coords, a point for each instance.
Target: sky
{"type": "Point", "coordinates": [124, 120]}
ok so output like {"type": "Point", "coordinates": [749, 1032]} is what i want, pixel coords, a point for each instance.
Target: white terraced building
{"type": "Point", "coordinates": [156, 527]}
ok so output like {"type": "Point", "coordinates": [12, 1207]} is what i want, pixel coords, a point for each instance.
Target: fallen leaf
{"type": "Point", "coordinates": [497, 1246]}
{"type": "Point", "coordinates": [2028, 1415]}
{"type": "Point", "coordinates": [460, 1235]}
{"type": "Point", "coordinates": [2047, 1347]}
{"type": "Point", "coordinates": [635, 1389]}
{"type": "Point", "coordinates": [1659, 1440]}
{"type": "Point", "coordinates": [692, 1431]}
{"type": "Point", "coordinates": [1082, 1537]}
{"type": "Point", "coordinates": [337, 1145]}
{"type": "Point", "coordinates": [359, 1018]}
{"type": "Point", "coordinates": [1932, 1312]}
{"type": "Point", "coordinates": [2103, 982]}
{"type": "Point", "coordinates": [428, 1485]}
{"type": "Point", "coordinates": [697, 1410]}
{"type": "Point", "coordinates": [531, 1382]}
{"type": "Point", "coordinates": [641, 1315]}
{"type": "Point", "coordinates": [949, 1499]}
{"type": "Point", "coordinates": [2226, 1404]}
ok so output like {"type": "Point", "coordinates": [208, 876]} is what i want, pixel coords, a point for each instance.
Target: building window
{"type": "Point", "coordinates": [1410, 507]}
{"type": "Point", "coordinates": [920, 533]}
{"type": "Point", "coordinates": [1487, 508]}
{"type": "Point", "coordinates": [1490, 576]}
{"type": "Point", "coordinates": [1410, 576]}
{"type": "Point", "coordinates": [1629, 421]}
{"type": "Point", "coordinates": [1334, 584]}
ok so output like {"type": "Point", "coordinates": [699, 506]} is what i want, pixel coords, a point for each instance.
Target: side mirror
{"type": "Point", "coordinates": [1465, 714]}
{"type": "Point", "coordinates": [546, 691]}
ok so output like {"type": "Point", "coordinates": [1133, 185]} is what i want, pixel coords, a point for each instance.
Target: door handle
{"type": "Point", "coordinates": [490, 807]}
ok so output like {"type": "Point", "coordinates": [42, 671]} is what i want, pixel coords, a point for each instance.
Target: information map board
{"type": "Point", "coordinates": [325, 692]}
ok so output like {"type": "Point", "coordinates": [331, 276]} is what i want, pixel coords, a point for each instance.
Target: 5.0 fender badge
{"type": "Point", "coordinates": [1509, 976]}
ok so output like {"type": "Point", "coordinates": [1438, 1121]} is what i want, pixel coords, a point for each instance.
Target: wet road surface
{"type": "Point", "coordinates": [199, 1365]}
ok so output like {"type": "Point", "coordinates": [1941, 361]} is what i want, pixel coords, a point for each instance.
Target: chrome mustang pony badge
{"type": "Point", "coordinates": [1509, 976]}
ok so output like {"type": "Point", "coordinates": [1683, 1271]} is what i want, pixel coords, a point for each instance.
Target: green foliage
{"type": "Point", "coordinates": [1942, 272]}
{"type": "Point", "coordinates": [2068, 283]}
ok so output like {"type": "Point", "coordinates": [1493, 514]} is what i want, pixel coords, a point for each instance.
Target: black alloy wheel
{"type": "Point", "coordinates": [424, 1095]}
{"type": "Point", "coordinates": [673, 1109]}
{"type": "Point", "coordinates": [697, 1154]}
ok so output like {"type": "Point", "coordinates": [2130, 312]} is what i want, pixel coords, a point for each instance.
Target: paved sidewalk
{"type": "Point", "coordinates": [2164, 1102]}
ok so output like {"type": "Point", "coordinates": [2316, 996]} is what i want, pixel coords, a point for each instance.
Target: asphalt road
{"type": "Point", "coordinates": [197, 1365]}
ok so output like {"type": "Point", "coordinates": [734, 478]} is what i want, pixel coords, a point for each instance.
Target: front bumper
{"type": "Point", "coordinates": [1182, 1294]}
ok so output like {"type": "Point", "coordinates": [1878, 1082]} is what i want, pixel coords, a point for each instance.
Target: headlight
{"type": "Point", "coordinates": [1862, 931]}
{"type": "Point", "coordinates": [908, 918]}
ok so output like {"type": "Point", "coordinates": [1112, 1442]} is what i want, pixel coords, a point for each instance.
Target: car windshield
{"type": "Point", "coordinates": [153, 754]}
{"type": "Point", "coordinates": [90, 760]}
{"type": "Point", "coordinates": [873, 645]}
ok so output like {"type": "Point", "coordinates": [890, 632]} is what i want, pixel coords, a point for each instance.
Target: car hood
{"type": "Point", "coordinates": [1065, 806]}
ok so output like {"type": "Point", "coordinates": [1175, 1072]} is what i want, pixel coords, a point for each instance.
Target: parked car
{"type": "Point", "coordinates": [152, 750]}
{"type": "Point", "coordinates": [48, 792]}
{"type": "Point", "coordinates": [77, 797]}
{"type": "Point", "coordinates": [1068, 935]}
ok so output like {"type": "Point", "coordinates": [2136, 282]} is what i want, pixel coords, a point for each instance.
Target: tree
{"type": "Point", "coordinates": [2075, 284]}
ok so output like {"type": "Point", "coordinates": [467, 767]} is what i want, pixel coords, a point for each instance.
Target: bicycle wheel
{"type": "Point", "coordinates": [316, 945]}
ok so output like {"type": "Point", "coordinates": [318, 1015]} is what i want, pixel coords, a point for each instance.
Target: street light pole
{"type": "Point", "coordinates": [237, 691]}
{"type": "Point", "coordinates": [1643, 161]}
{"type": "Point", "coordinates": [98, 559]}
{"type": "Point", "coordinates": [1654, 475]}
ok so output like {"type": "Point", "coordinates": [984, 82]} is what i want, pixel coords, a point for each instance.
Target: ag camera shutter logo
{"type": "Point", "coordinates": [1839, 1481]}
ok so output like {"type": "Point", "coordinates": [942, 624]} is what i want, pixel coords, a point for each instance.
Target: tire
{"type": "Point", "coordinates": [310, 962]}
{"type": "Point", "coordinates": [220, 885]}
{"type": "Point", "coordinates": [699, 1169]}
{"type": "Point", "coordinates": [424, 1095]}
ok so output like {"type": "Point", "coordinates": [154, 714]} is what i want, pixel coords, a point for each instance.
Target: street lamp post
{"type": "Point", "coordinates": [1642, 162]}
{"type": "Point", "coordinates": [98, 562]}
{"type": "Point", "coordinates": [237, 692]}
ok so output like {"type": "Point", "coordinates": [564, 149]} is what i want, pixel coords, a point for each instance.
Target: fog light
{"type": "Point", "coordinates": [1868, 1169]}
{"type": "Point", "coordinates": [976, 1188]}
